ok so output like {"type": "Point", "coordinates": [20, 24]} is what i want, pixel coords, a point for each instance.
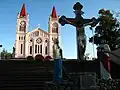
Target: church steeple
{"type": "Point", "coordinates": [21, 43]}
{"type": "Point", "coordinates": [23, 11]}
{"type": "Point", "coordinates": [54, 13]}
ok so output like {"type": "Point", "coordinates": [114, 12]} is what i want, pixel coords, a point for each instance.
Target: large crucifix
{"type": "Point", "coordinates": [79, 22]}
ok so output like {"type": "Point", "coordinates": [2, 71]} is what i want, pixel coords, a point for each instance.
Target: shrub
{"type": "Point", "coordinates": [47, 58]}
{"type": "Point", "coordinates": [30, 58]}
{"type": "Point", "coordinates": [39, 57]}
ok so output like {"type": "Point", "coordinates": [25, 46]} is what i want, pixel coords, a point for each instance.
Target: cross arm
{"type": "Point", "coordinates": [63, 20]}
{"type": "Point", "coordinates": [0, 45]}
{"type": "Point", "coordinates": [92, 22]}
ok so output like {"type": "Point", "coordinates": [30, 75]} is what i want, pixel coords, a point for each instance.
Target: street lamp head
{"type": "Point", "coordinates": [78, 6]}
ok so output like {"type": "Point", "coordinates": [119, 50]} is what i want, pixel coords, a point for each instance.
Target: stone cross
{"type": "Point", "coordinates": [79, 22]}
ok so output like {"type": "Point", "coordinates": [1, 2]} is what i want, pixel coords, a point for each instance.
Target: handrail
{"type": "Point", "coordinates": [67, 74]}
{"type": "Point", "coordinates": [112, 54]}
{"type": "Point", "coordinates": [115, 55]}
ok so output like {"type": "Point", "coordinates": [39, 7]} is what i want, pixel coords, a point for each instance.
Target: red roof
{"type": "Point", "coordinates": [54, 13]}
{"type": "Point", "coordinates": [23, 11]}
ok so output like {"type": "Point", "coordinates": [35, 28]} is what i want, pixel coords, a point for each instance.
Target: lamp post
{"type": "Point", "coordinates": [79, 22]}
{"type": "Point", "coordinates": [0, 52]}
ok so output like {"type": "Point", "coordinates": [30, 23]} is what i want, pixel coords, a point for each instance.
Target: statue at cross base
{"type": "Point", "coordinates": [103, 51]}
{"type": "Point", "coordinates": [57, 56]}
{"type": "Point", "coordinates": [79, 22]}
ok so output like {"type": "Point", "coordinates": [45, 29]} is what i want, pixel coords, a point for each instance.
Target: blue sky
{"type": "Point", "coordinates": [39, 11]}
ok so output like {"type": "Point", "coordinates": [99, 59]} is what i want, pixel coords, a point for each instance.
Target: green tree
{"type": "Point", "coordinates": [8, 55]}
{"type": "Point", "coordinates": [5, 54]}
{"type": "Point", "coordinates": [108, 29]}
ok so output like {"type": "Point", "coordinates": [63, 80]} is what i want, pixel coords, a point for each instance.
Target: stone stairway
{"type": "Point", "coordinates": [31, 75]}
{"type": "Point", "coordinates": [24, 75]}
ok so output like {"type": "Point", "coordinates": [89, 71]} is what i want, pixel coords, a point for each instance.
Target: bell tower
{"type": "Point", "coordinates": [21, 31]}
{"type": "Point", "coordinates": [53, 30]}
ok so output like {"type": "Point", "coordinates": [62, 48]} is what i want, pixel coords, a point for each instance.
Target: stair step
{"type": "Point", "coordinates": [27, 73]}
{"type": "Point", "coordinates": [22, 88]}
{"type": "Point", "coordinates": [24, 76]}
{"type": "Point", "coordinates": [21, 85]}
{"type": "Point", "coordinates": [15, 63]}
{"type": "Point", "coordinates": [26, 79]}
{"type": "Point", "coordinates": [23, 66]}
{"type": "Point", "coordinates": [27, 69]}
{"type": "Point", "coordinates": [21, 81]}
{"type": "Point", "coordinates": [24, 73]}
{"type": "Point", "coordinates": [30, 76]}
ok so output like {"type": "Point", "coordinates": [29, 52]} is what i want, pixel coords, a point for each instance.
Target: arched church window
{"type": "Point", "coordinates": [36, 33]}
{"type": "Point", "coordinates": [22, 38]}
{"type": "Point", "coordinates": [55, 27]}
{"type": "Point", "coordinates": [30, 49]}
{"type": "Point", "coordinates": [31, 40]}
{"type": "Point", "coordinates": [35, 48]}
{"type": "Point", "coordinates": [21, 48]}
{"type": "Point", "coordinates": [46, 41]}
{"type": "Point", "coordinates": [22, 26]}
{"type": "Point", "coordinates": [46, 51]}
{"type": "Point", "coordinates": [38, 48]}
{"type": "Point", "coordinates": [41, 48]}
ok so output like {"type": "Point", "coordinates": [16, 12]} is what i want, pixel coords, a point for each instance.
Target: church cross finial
{"type": "Point", "coordinates": [38, 25]}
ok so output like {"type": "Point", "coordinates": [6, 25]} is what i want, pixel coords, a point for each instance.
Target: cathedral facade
{"type": "Point", "coordinates": [37, 41]}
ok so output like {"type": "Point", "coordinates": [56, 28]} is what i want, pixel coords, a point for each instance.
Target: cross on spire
{"type": "Point", "coordinates": [38, 25]}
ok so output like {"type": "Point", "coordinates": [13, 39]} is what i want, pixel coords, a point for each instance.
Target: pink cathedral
{"type": "Point", "coordinates": [37, 41]}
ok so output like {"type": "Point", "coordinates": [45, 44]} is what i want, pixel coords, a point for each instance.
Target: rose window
{"type": "Point", "coordinates": [39, 40]}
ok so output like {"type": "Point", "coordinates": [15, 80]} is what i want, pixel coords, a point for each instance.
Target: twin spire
{"type": "Point", "coordinates": [54, 13]}
{"type": "Point", "coordinates": [23, 12]}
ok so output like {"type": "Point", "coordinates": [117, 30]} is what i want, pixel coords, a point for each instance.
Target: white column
{"type": "Point", "coordinates": [33, 47]}
{"type": "Point", "coordinates": [26, 46]}
{"type": "Point", "coordinates": [51, 49]}
{"type": "Point", "coordinates": [43, 48]}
